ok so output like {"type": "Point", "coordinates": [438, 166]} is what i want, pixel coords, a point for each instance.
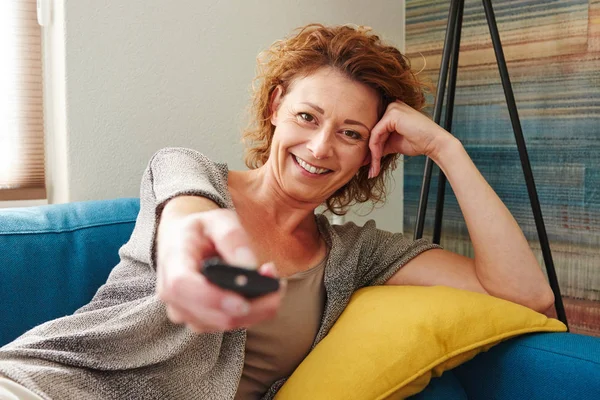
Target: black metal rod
{"type": "Point", "coordinates": [439, 100]}
{"type": "Point", "coordinates": [533, 197]}
{"type": "Point", "coordinates": [441, 191]}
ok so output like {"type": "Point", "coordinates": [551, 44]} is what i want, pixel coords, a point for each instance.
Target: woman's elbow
{"type": "Point", "coordinates": [542, 300]}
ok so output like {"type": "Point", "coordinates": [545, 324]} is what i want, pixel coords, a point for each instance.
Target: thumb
{"type": "Point", "coordinates": [268, 269]}
{"type": "Point", "coordinates": [229, 237]}
{"type": "Point", "coordinates": [379, 136]}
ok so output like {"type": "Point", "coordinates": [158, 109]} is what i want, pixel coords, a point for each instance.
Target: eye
{"type": "Point", "coordinates": [306, 117]}
{"type": "Point", "coordinates": [352, 134]}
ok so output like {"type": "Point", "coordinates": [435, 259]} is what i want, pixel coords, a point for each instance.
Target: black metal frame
{"type": "Point", "coordinates": [450, 59]}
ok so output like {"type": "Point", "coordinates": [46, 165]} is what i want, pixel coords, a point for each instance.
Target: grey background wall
{"type": "Point", "coordinates": [126, 78]}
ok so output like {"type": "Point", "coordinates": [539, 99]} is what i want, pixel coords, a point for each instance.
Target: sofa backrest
{"type": "Point", "coordinates": [54, 258]}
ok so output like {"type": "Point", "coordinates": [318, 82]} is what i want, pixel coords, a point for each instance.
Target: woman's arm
{"type": "Point", "coordinates": [504, 265]}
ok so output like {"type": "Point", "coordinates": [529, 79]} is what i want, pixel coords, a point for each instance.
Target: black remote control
{"type": "Point", "coordinates": [247, 282]}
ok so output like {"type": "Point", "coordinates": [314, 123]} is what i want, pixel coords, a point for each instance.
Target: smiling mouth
{"type": "Point", "coordinates": [310, 168]}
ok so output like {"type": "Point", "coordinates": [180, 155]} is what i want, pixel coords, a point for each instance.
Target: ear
{"type": "Point", "coordinates": [275, 102]}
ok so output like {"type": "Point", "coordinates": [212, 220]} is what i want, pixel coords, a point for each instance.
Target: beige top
{"type": "Point", "coordinates": [276, 347]}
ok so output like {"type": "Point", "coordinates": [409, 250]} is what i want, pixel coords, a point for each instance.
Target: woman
{"type": "Point", "coordinates": [334, 108]}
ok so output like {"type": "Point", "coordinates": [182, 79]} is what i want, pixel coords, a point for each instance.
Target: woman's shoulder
{"type": "Point", "coordinates": [349, 233]}
{"type": "Point", "coordinates": [350, 228]}
{"type": "Point", "coordinates": [364, 237]}
{"type": "Point", "coordinates": [186, 155]}
{"type": "Point", "coordinates": [174, 171]}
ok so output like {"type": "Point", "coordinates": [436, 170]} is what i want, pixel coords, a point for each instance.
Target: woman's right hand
{"type": "Point", "coordinates": [182, 245]}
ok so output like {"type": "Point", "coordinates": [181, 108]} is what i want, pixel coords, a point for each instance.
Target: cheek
{"type": "Point", "coordinates": [356, 155]}
{"type": "Point", "coordinates": [289, 133]}
{"type": "Point", "coordinates": [352, 163]}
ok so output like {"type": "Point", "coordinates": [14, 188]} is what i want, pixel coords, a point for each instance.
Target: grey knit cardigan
{"type": "Point", "coordinates": [122, 345]}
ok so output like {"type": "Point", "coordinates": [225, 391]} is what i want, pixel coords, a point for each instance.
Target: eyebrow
{"type": "Point", "coordinates": [321, 111]}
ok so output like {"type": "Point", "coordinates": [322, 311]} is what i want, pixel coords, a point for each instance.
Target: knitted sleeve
{"type": "Point", "coordinates": [174, 172]}
{"type": "Point", "coordinates": [378, 254]}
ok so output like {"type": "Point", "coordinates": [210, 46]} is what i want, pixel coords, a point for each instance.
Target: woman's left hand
{"type": "Point", "coordinates": [404, 130]}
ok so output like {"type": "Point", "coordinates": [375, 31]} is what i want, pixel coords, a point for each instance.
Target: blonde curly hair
{"type": "Point", "coordinates": [360, 55]}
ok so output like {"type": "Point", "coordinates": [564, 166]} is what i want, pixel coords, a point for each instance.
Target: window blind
{"type": "Point", "coordinates": [22, 175]}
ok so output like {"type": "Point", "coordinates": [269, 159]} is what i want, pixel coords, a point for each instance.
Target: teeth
{"type": "Point", "coordinates": [310, 168]}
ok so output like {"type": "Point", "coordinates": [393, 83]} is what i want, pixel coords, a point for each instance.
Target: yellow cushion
{"type": "Point", "coordinates": [391, 340]}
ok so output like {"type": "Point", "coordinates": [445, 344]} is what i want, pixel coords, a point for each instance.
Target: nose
{"type": "Point", "coordinates": [320, 144]}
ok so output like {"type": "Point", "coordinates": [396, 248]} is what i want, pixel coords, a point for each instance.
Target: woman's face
{"type": "Point", "coordinates": [322, 129]}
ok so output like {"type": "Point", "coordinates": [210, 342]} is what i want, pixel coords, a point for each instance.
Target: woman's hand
{"type": "Point", "coordinates": [404, 130]}
{"type": "Point", "coordinates": [182, 245]}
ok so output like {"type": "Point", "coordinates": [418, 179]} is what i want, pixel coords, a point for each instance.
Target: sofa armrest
{"type": "Point", "coordinates": [54, 258]}
{"type": "Point", "coordinates": [539, 366]}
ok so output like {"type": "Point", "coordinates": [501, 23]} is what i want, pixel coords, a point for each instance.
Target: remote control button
{"type": "Point", "coordinates": [241, 280]}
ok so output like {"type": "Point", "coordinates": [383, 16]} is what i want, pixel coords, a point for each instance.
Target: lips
{"type": "Point", "coordinates": [313, 169]}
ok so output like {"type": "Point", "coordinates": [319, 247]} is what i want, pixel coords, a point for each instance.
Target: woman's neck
{"type": "Point", "coordinates": [261, 194]}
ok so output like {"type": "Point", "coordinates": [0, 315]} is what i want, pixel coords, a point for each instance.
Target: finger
{"type": "Point", "coordinates": [197, 243]}
{"type": "Point", "coordinates": [209, 320]}
{"type": "Point", "coordinates": [230, 239]}
{"type": "Point", "coordinates": [206, 320]}
{"type": "Point", "coordinates": [194, 294]}
{"type": "Point", "coordinates": [192, 251]}
{"type": "Point", "coordinates": [184, 248]}
{"type": "Point", "coordinates": [170, 273]}
{"type": "Point", "coordinates": [176, 315]}
{"type": "Point", "coordinates": [183, 259]}
{"type": "Point", "coordinates": [268, 269]}
{"type": "Point", "coordinates": [395, 144]}
{"type": "Point", "coordinates": [379, 137]}
{"type": "Point", "coordinates": [376, 153]}
{"type": "Point", "coordinates": [380, 132]}
{"type": "Point", "coordinates": [267, 306]}
{"type": "Point", "coordinates": [263, 308]}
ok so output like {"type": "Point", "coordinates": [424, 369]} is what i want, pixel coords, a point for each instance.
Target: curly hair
{"type": "Point", "coordinates": [355, 52]}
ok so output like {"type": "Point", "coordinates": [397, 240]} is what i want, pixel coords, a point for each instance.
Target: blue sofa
{"type": "Point", "coordinates": [53, 259]}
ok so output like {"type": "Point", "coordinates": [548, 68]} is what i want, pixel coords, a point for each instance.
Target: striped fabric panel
{"type": "Point", "coordinates": [553, 54]}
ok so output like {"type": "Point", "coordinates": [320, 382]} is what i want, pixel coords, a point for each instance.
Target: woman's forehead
{"type": "Point", "coordinates": [330, 90]}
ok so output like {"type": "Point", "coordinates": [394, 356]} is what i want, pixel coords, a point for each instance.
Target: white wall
{"type": "Point", "coordinates": [126, 78]}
